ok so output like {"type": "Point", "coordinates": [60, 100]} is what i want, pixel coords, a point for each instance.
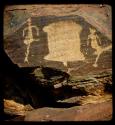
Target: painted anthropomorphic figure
{"type": "Point", "coordinates": [93, 37]}
{"type": "Point", "coordinates": [29, 37]}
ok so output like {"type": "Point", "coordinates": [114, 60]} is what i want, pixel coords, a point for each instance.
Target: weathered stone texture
{"type": "Point", "coordinates": [73, 38]}
{"type": "Point", "coordinates": [90, 112]}
{"type": "Point", "coordinates": [62, 53]}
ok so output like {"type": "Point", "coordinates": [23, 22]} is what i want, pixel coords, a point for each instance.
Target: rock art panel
{"type": "Point", "coordinates": [75, 42]}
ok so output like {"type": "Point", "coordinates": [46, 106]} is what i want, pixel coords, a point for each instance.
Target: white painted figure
{"type": "Point", "coordinates": [94, 44]}
{"type": "Point", "coordinates": [29, 37]}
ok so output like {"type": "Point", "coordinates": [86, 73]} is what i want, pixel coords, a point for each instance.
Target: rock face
{"type": "Point", "coordinates": [76, 43]}
{"type": "Point", "coordinates": [11, 107]}
{"type": "Point", "coordinates": [57, 53]}
{"type": "Point", "coordinates": [100, 112]}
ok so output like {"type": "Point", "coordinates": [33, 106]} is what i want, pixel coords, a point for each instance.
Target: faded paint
{"type": "Point", "coordinates": [64, 41]}
{"type": "Point", "coordinates": [29, 37]}
{"type": "Point", "coordinates": [94, 44]}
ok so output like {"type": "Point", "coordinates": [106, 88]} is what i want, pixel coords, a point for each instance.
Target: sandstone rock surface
{"type": "Point", "coordinates": [90, 112]}
{"type": "Point", "coordinates": [58, 54]}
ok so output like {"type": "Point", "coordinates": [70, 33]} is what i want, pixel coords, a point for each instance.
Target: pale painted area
{"type": "Point", "coordinates": [29, 37]}
{"type": "Point", "coordinates": [64, 41]}
{"type": "Point", "coordinates": [94, 44]}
